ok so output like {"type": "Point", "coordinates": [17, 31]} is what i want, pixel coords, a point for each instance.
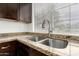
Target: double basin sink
{"type": "Point", "coordinates": [55, 43]}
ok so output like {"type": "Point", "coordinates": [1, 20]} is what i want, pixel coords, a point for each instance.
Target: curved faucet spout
{"type": "Point", "coordinates": [49, 27]}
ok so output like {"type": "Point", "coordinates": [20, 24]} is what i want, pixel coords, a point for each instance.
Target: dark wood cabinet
{"type": "Point", "coordinates": [34, 52]}
{"type": "Point", "coordinates": [21, 50]}
{"type": "Point", "coordinates": [25, 12]}
{"type": "Point", "coordinates": [12, 9]}
{"type": "Point", "coordinates": [8, 48]}
{"type": "Point", "coordinates": [16, 11]}
{"type": "Point", "coordinates": [3, 10]}
{"type": "Point", "coordinates": [24, 50]}
{"type": "Point", "coordinates": [15, 48]}
{"type": "Point", "coordinates": [9, 10]}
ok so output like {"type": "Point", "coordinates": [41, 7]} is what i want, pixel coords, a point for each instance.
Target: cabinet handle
{"type": "Point", "coordinates": [5, 47]}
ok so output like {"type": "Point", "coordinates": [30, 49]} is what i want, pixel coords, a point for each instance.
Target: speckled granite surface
{"type": "Point", "coordinates": [71, 49]}
{"type": "Point", "coordinates": [42, 48]}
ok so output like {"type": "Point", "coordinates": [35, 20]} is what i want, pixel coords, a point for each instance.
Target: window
{"type": "Point", "coordinates": [62, 20]}
{"type": "Point", "coordinates": [63, 17]}
{"type": "Point", "coordinates": [75, 19]}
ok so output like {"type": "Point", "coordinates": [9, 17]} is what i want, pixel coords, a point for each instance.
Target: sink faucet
{"type": "Point", "coordinates": [49, 26]}
{"type": "Point", "coordinates": [49, 30]}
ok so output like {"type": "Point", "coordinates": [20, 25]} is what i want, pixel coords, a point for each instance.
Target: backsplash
{"type": "Point", "coordinates": [7, 26]}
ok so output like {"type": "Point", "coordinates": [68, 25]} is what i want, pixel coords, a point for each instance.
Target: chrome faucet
{"type": "Point", "coordinates": [49, 28]}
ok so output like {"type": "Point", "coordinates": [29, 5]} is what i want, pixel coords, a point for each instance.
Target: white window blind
{"type": "Point", "coordinates": [64, 17]}
{"type": "Point", "coordinates": [75, 19]}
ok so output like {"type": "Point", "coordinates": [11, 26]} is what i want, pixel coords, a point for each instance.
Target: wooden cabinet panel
{"type": "Point", "coordinates": [34, 52]}
{"type": "Point", "coordinates": [16, 11]}
{"type": "Point", "coordinates": [21, 50]}
{"type": "Point", "coordinates": [8, 48]}
{"type": "Point", "coordinates": [25, 50]}
{"type": "Point", "coordinates": [9, 10]}
{"type": "Point", "coordinates": [12, 9]}
{"type": "Point", "coordinates": [15, 48]}
{"type": "Point", "coordinates": [3, 10]}
{"type": "Point", "coordinates": [25, 12]}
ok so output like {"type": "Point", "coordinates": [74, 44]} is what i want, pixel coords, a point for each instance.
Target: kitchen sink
{"type": "Point", "coordinates": [55, 43]}
{"type": "Point", "coordinates": [37, 38]}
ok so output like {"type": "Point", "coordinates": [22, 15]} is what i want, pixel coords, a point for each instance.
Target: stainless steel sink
{"type": "Point", "coordinates": [37, 38]}
{"type": "Point", "coordinates": [56, 43]}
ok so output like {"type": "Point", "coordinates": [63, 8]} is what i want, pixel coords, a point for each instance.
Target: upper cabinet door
{"type": "Point", "coordinates": [16, 11]}
{"type": "Point", "coordinates": [12, 9]}
{"type": "Point", "coordinates": [9, 10]}
{"type": "Point", "coordinates": [25, 12]}
{"type": "Point", "coordinates": [3, 10]}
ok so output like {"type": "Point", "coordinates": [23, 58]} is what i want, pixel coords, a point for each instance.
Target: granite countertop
{"type": "Point", "coordinates": [71, 49]}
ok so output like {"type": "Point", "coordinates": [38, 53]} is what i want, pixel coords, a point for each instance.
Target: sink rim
{"type": "Point", "coordinates": [42, 42]}
{"type": "Point", "coordinates": [37, 38]}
